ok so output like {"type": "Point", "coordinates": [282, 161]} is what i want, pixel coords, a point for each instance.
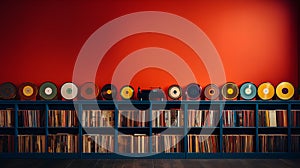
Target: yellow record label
{"type": "Point", "coordinates": [285, 90]}
{"type": "Point", "coordinates": [28, 91]}
{"type": "Point", "coordinates": [108, 91]}
{"type": "Point", "coordinates": [266, 91]}
{"type": "Point", "coordinates": [230, 91]}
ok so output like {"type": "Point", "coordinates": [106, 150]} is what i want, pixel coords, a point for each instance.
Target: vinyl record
{"type": "Point", "coordinates": [69, 91]}
{"type": "Point", "coordinates": [109, 92]}
{"type": "Point", "coordinates": [28, 91]}
{"type": "Point", "coordinates": [285, 90]}
{"type": "Point", "coordinates": [174, 92]}
{"type": "Point", "coordinates": [8, 91]}
{"type": "Point", "coordinates": [193, 91]}
{"type": "Point", "coordinates": [230, 91]}
{"type": "Point", "coordinates": [266, 91]}
{"type": "Point", "coordinates": [248, 91]}
{"type": "Point", "coordinates": [127, 92]}
{"type": "Point", "coordinates": [212, 92]}
{"type": "Point", "coordinates": [48, 91]}
{"type": "Point", "coordinates": [89, 90]}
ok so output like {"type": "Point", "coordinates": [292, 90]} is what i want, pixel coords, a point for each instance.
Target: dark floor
{"type": "Point", "coordinates": [158, 163]}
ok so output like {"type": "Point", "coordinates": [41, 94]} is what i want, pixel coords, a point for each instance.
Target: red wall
{"type": "Point", "coordinates": [40, 40]}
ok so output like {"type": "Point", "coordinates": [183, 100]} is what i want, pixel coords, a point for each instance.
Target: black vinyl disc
{"type": "Point", "coordinates": [8, 91]}
{"type": "Point", "coordinates": [212, 92]}
{"type": "Point", "coordinates": [193, 91]}
{"type": "Point", "coordinates": [230, 91]}
{"type": "Point", "coordinates": [174, 92]}
{"type": "Point", "coordinates": [109, 92]}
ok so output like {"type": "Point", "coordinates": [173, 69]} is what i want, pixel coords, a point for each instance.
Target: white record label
{"type": "Point", "coordinates": [48, 91]}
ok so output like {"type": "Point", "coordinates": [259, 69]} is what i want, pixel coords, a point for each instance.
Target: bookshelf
{"type": "Point", "coordinates": [144, 129]}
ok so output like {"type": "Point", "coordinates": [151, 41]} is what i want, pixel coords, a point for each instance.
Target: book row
{"type": "Point", "coordinates": [62, 118]}
{"type": "Point", "coordinates": [139, 143]}
{"type": "Point", "coordinates": [238, 118]}
{"type": "Point", "coordinates": [203, 118]}
{"type": "Point", "coordinates": [133, 118]}
{"type": "Point", "coordinates": [168, 118]}
{"type": "Point", "coordinates": [31, 118]}
{"type": "Point", "coordinates": [272, 118]}
{"type": "Point", "coordinates": [6, 118]}
{"type": "Point", "coordinates": [97, 118]}
{"type": "Point", "coordinates": [140, 118]}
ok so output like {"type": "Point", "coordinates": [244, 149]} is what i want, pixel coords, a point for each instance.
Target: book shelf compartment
{"type": "Point", "coordinates": [173, 129]}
